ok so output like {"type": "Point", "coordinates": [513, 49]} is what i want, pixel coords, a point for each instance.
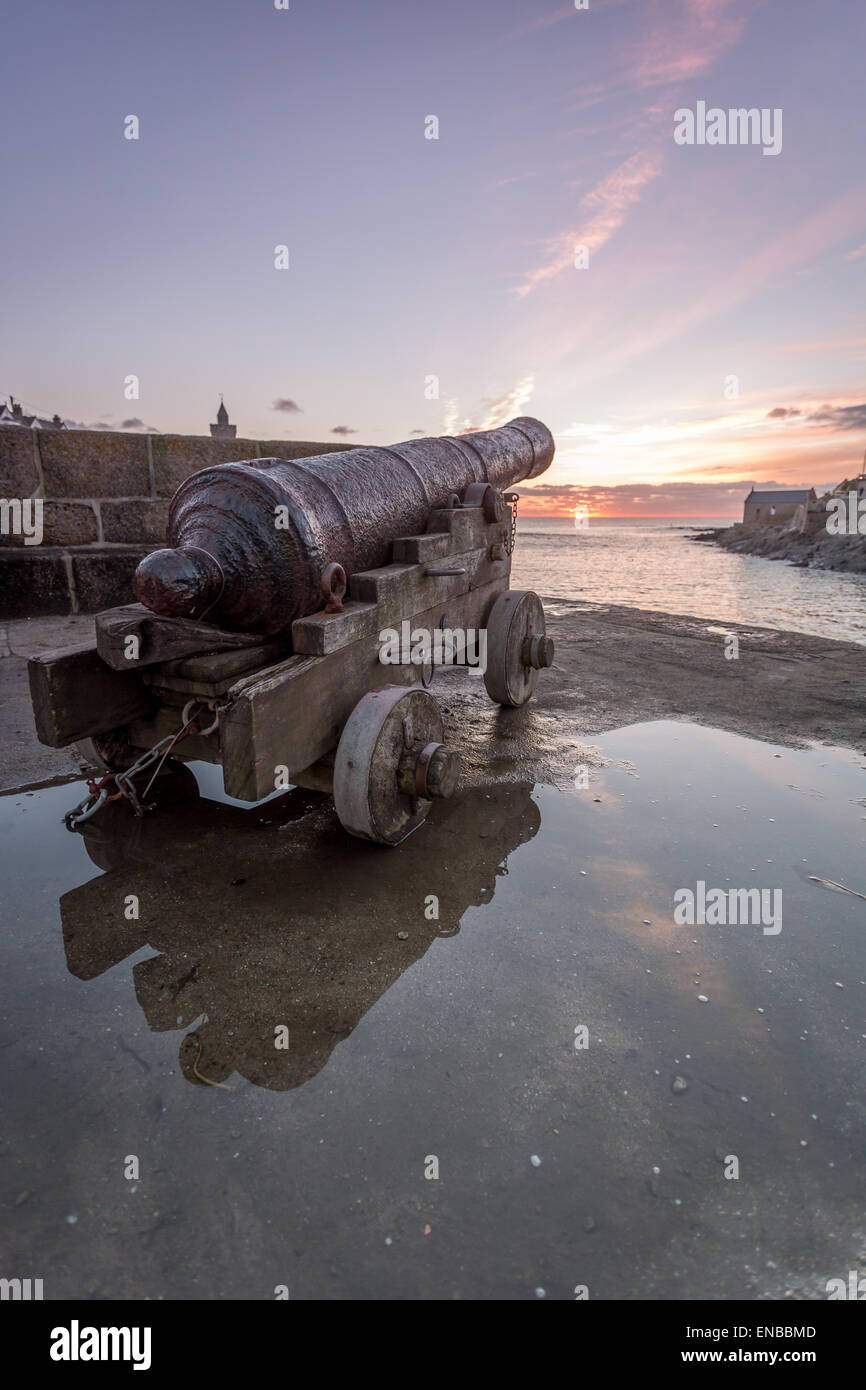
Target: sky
{"type": "Point", "coordinates": [709, 336]}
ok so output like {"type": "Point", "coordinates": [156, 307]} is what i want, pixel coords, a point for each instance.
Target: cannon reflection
{"type": "Point", "coordinates": [271, 920]}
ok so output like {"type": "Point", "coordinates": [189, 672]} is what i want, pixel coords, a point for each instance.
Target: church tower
{"type": "Point", "coordinates": [222, 429]}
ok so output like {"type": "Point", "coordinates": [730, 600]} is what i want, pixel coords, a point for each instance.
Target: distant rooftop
{"type": "Point", "coordinates": [779, 495]}
{"type": "Point", "coordinates": [13, 414]}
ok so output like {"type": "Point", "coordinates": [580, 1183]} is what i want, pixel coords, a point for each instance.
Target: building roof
{"type": "Point", "coordinates": [799, 495]}
{"type": "Point", "coordinates": [29, 422]}
{"type": "Point", "coordinates": [13, 414]}
{"type": "Point", "coordinates": [222, 415]}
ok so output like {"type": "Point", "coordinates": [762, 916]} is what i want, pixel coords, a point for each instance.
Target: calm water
{"type": "Point", "coordinates": [653, 564]}
{"type": "Point", "coordinates": [452, 1038]}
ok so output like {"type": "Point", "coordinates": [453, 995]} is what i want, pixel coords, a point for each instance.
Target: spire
{"type": "Point", "coordinates": [222, 429]}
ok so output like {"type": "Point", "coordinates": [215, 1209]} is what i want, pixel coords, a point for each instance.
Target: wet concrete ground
{"type": "Point", "coordinates": [614, 666]}
{"type": "Point", "coordinates": [412, 1038]}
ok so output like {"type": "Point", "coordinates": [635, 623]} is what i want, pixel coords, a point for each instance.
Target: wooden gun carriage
{"type": "Point", "coordinates": [313, 706]}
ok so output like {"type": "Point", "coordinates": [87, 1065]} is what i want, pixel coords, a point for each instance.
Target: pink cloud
{"type": "Point", "coordinates": [568, 12]}
{"type": "Point", "coordinates": [782, 255]}
{"type": "Point", "coordinates": [678, 42]}
{"type": "Point", "coordinates": [681, 43]}
{"type": "Point", "coordinates": [497, 411]}
{"type": "Point", "coordinates": [605, 209]}
{"type": "Point", "coordinates": [831, 345]}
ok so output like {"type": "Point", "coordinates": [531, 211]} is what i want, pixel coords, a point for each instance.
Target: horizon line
{"type": "Point", "coordinates": [628, 516]}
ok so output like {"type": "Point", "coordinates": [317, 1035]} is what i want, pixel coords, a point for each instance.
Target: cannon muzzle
{"type": "Point", "coordinates": [248, 541]}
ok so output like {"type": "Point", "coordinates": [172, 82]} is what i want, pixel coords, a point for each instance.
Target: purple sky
{"type": "Point", "coordinates": [453, 257]}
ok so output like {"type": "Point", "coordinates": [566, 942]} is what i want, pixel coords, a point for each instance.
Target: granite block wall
{"type": "Point", "coordinates": [105, 502]}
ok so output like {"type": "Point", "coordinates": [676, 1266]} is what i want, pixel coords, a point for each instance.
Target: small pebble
{"type": "Point", "coordinates": [535, 1161]}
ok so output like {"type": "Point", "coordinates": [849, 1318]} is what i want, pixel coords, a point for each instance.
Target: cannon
{"type": "Point", "coordinates": [292, 628]}
{"type": "Point", "coordinates": [249, 543]}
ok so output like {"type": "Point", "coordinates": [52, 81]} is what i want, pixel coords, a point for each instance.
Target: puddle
{"type": "Point", "coordinates": [414, 1037]}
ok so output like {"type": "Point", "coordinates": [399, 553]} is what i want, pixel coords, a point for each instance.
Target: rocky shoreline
{"type": "Point", "coordinates": [813, 548]}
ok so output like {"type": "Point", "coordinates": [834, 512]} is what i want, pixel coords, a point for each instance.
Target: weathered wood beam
{"type": "Point", "coordinates": [160, 639]}
{"type": "Point", "coordinates": [323, 632]}
{"type": "Point", "coordinates": [419, 550]}
{"type": "Point", "coordinates": [145, 732]}
{"type": "Point", "coordinates": [292, 714]}
{"type": "Point", "coordinates": [211, 676]}
{"type": "Point", "coordinates": [75, 695]}
{"type": "Point", "coordinates": [383, 597]}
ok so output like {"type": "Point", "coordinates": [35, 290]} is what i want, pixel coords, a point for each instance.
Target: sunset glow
{"type": "Point", "coordinates": [688, 319]}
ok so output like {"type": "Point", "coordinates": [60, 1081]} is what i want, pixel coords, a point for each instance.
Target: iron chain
{"type": "Point", "coordinates": [512, 499]}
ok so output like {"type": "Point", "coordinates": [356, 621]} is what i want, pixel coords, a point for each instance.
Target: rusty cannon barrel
{"type": "Point", "coordinates": [248, 542]}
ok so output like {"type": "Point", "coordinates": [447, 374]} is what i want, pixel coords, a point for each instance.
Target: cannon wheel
{"type": "Point", "coordinates": [389, 754]}
{"type": "Point", "coordinates": [109, 752]}
{"type": "Point", "coordinates": [517, 647]}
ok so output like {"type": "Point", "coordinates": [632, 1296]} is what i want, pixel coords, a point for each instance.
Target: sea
{"type": "Point", "coordinates": [652, 563]}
